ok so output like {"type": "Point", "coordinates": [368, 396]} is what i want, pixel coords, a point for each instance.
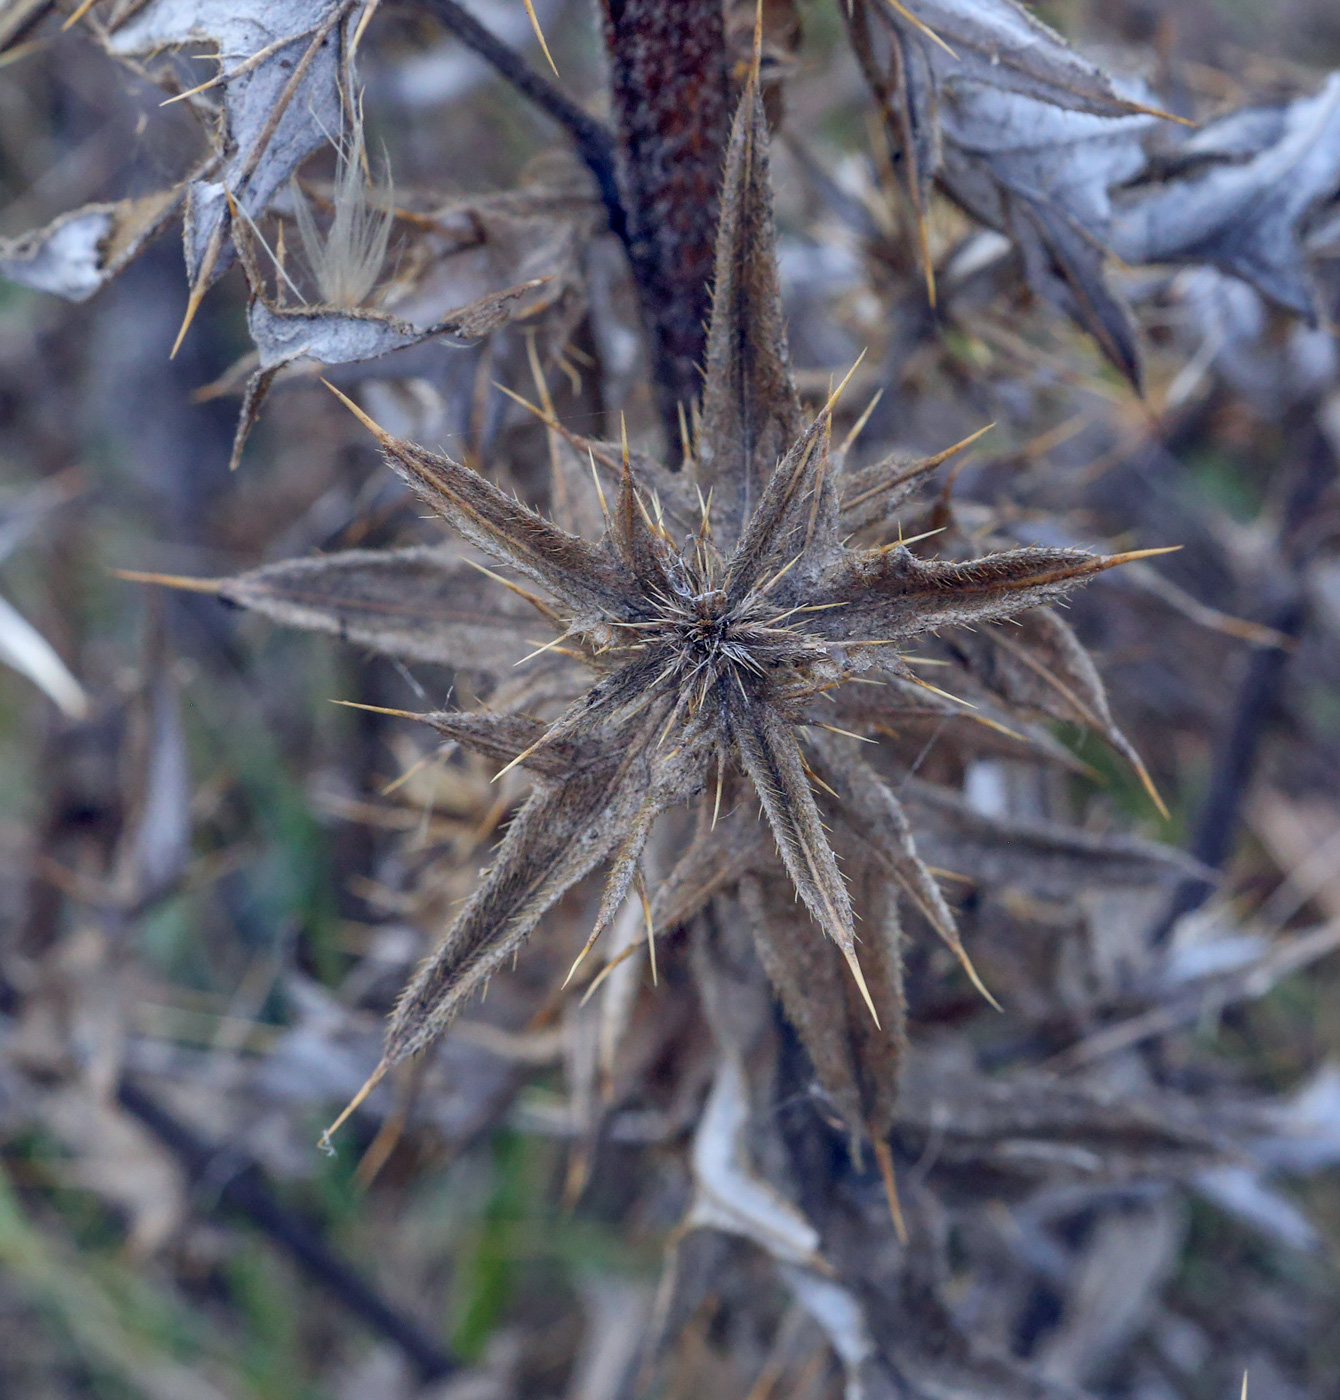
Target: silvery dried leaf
{"type": "Point", "coordinates": [1001, 44]}
{"type": "Point", "coordinates": [1042, 174]}
{"type": "Point", "coordinates": [78, 253]}
{"type": "Point", "coordinates": [328, 335]}
{"type": "Point", "coordinates": [728, 1195]}
{"type": "Point", "coordinates": [281, 68]}
{"type": "Point", "coordinates": [1024, 132]}
{"type": "Point", "coordinates": [25, 649]}
{"type": "Point", "coordinates": [155, 845]}
{"type": "Point", "coordinates": [1245, 216]}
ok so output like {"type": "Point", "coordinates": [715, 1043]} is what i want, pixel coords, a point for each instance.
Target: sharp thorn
{"type": "Point", "coordinates": [375, 429]}
{"type": "Point", "coordinates": [1131, 555]}
{"type": "Point", "coordinates": [859, 425]}
{"type": "Point", "coordinates": [187, 585]}
{"type": "Point", "coordinates": [884, 1157]}
{"type": "Point", "coordinates": [378, 709]}
{"type": "Point", "coordinates": [539, 34]}
{"type": "Point", "coordinates": [373, 1080]}
{"type": "Point", "coordinates": [192, 306]}
{"type": "Point", "coordinates": [898, 8]}
{"type": "Point", "coordinates": [850, 955]}
{"type": "Point", "coordinates": [1147, 783]}
{"type": "Point", "coordinates": [837, 393]}
{"type": "Point", "coordinates": [74, 19]}
{"type": "Point", "coordinates": [961, 953]}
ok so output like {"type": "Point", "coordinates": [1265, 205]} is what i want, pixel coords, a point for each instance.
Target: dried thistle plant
{"type": "Point", "coordinates": [703, 636]}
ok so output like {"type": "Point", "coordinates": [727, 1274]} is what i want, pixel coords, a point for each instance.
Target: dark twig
{"type": "Point", "coordinates": [670, 88]}
{"type": "Point", "coordinates": [594, 141]}
{"type": "Point", "coordinates": [1240, 743]}
{"type": "Point", "coordinates": [235, 1182]}
{"type": "Point", "coordinates": [659, 178]}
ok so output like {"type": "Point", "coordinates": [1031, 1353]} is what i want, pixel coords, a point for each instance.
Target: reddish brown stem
{"type": "Point", "coordinates": [671, 95]}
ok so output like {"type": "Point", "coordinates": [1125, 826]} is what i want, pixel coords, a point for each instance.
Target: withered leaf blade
{"type": "Point", "coordinates": [1024, 1105]}
{"type": "Point", "coordinates": [423, 603]}
{"type": "Point", "coordinates": [1039, 664]}
{"type": "Point", "coordinates": [508, 738]}
{"type": "Point", "coordinates": [669, 495]}
{"type": "Point", "coordinates": [1000, 43]}
{"type": "Point", "coordinates": [716, 859]}
{"type": "Point", "coordinates": [24, 648]}
{"type": "Point", "coordinates": [872, 494]}
{"type": "Point", "coordinates": [807, 976]}
{"type": "Point", "coordinates": [1245, 217]}
{"type": "Point", "coordinates": [80, 252]}
{"type": "Point", "coordinates": [340, 335]}
{"type": "Point", "coordinates": [277, 108]}
{"type": "Point", "coordinates": [750, 411]}
{"type": "Point", "coordinates": [567, 827]}
{"type": "Point", "coordinates": [728, 1193]}
{"type": "Point", "coordinates": [770, 755]}
{"type": "Point", "coordinates": [1028, 135]}
{"type": "Point", "coordinates": [1043, 857]}
{"type": "Point", "coordinates": [1042, 175]}
{"type": "Point", "coordinates": [332, 335]}
{"type": "Point", "coordinates": [876, 816]}
{"type": "Point", "coordinates": [155, 846]}
{"type": "Point", "coordinates": [795, 519]}
{"type": "Point", "coordinates": [635, 539]}
{"type": "Point", "coordinates": [905, 716]}
{"type": "Point", "coordinates": [1066, 265]}
{"type": "Point", "coordinates": [856, 1061]}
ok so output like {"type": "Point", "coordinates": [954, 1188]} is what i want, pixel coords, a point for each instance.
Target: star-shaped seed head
{"type": "Point", "coordinates": [713, 620]}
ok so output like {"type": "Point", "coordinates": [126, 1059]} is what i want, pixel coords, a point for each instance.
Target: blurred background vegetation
{"type": "Point", "coordinates": [247, 989]}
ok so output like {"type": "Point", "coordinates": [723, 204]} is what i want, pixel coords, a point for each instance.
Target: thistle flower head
{"type": "Point", "coordinates": [712, 620]}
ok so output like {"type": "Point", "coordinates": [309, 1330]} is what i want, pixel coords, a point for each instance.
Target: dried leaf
{"type": "Point", "coordinates": [1245, 216]}
{"type": "Point", "coordinates": [889, 595]}
{"type": "Point", "coordinates": [24, 648]}
{"type": "Point", "coordinates": [280, 68]}
{"type": "Point", "coordinates": [155, 846]}
{"type": "Point", "coordinates": [1000, 44]}
{"type": "Point", "coordinates": [1024, 132]}
{"type": "Point", "coordinates": [564, 830]}
{"type": "Point", "coordinates": [421, 604]}
{"type": "Point", "coordinates": [771, 756]}
{"type": "Point", "coordinates": [585, 578]}
{"type": "Point", "coordinates": [328, 335]}
{"type": "Point", "coordinates": [1041, 174]}
{"type": "Point", "coordinates": [1038, 664]}
{"type": "Point", "coordinates": [728, 1196]}
{"type": "Point", "coordinates": [78, 253]}
{"type": "Point", "coordinates": [1044, 857]}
